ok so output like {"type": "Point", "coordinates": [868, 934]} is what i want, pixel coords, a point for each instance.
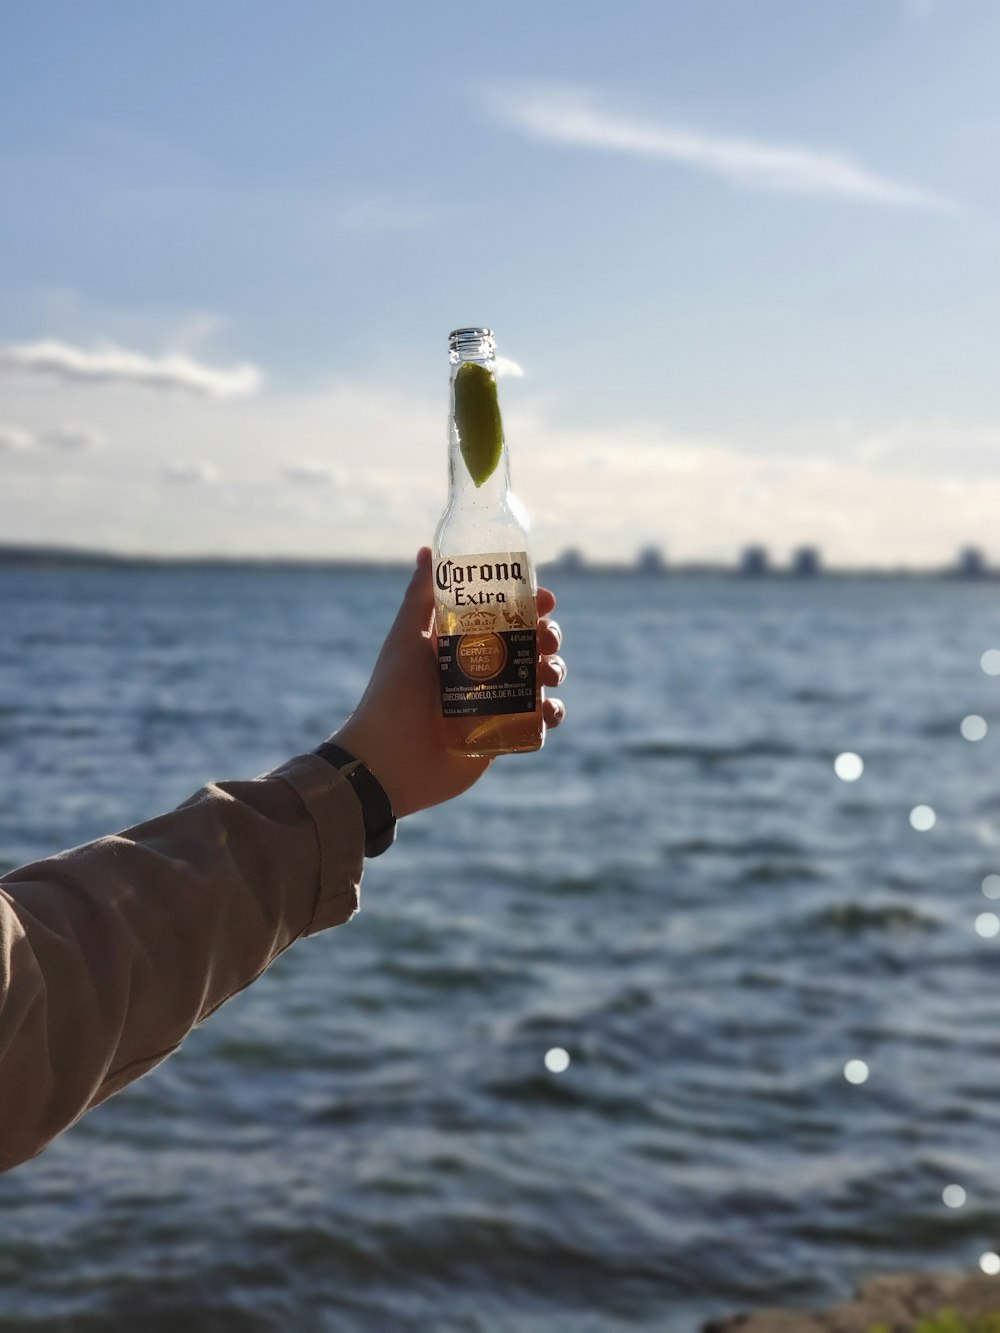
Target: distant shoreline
{"type": "Point", "coordinates": [58, 557]}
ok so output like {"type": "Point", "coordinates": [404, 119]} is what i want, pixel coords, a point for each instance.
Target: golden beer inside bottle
{"type": "Point", "coordinates": [484, 737]}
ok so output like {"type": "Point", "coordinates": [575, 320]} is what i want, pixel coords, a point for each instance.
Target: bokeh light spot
{"type": "Point", "coordinates": [556, 1060]}
{"type": "Point", "coordinates": [991, 886]}
{"type": "Point", "coordinates": [953, 1196]}
{"type": "Point", "coordinates": [973, 727]}
{"type": "Point", "coordinates": [922, 818]}
{"type": "Point", "coordinates": [990, 661]}
{"type": "Point", "coordinates": [856, 1071]}
{"type": "Point", "coordinates": [990, 1263]}
{"type": "Point", "coordinates": [848, 766]}
{"type": "Point", "coordinates": [987, 925]}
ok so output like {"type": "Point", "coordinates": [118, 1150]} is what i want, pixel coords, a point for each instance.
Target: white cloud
{"type": "Point", "coordinates": [572, 116]}
{"type": "Point", "coordinates": [197, 474]}
{"type": "Point", "coordinates": [14, 439]}
{"type": "Point", "coordinates": [901, 493]}
{"type": "Point", "coordinates": [610, 491]}
{"type": "Point", "coordinates": [906, 445]}
{"type": "Point", "coordinates": [72, 438]}
{"type": "Point", "coordinates": [116, 365]}
{"type": "Point", "coordinates": [308, 473]}
{"type": "Point", "coordinates": [67, 436]}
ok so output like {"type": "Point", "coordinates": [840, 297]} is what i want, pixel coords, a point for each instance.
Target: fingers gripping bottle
{"type": "Point", "coordinates": [484, 583]}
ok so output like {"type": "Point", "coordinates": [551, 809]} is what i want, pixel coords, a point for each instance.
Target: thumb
{"type": "Point", "coordinates": [418, 601]}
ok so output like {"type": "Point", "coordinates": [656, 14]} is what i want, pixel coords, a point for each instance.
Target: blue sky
{"type": "Point", "coordinates": [745, 252]}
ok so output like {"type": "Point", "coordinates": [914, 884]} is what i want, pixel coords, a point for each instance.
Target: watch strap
{"type": "Point", "coordinates": [376, 808]}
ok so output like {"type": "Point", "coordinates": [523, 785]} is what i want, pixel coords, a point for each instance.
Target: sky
{"type": "Point", "coordinates": [745, 253]}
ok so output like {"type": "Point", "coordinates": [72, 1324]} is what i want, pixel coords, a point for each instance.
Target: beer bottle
{"type": "Point", "coordinates": [484, 583]}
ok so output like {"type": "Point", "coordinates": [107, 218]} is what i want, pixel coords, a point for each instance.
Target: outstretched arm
{"type": "Point", "coordinates": [111, 953]}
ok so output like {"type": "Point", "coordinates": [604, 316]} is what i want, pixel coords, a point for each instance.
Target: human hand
{"type": "Point", "coordinates": [398, 729]}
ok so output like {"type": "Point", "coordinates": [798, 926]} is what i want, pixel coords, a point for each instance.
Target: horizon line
{"type": "Point", "coordinates": [25, 553]}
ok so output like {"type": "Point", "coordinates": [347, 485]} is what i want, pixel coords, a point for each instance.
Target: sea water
{"type": "Point", "coordinates": [678, 892]}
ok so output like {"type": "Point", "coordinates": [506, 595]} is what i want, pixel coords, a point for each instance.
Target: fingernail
{"type": "Point", "coordinates": [423, 557]}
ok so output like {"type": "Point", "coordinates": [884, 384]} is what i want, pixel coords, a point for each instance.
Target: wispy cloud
{"type": "Point", "coordinates": [72, 438]}
{"type": "Point", "coordinates": [307, 473]}
{"type": "Point", "coordinates": [574, 117]}
{"type": "Point", "coordinates": [191, 474]}
{"type": "Point", "coordinates": [116, 365]}
{"type": "Point", "coordinates": [15, 439]}
{"type": "Point", "coordinates": [68, 437]}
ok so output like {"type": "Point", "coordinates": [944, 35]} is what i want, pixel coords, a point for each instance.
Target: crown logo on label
{"type": "Point", "coordinates": [476, 620]}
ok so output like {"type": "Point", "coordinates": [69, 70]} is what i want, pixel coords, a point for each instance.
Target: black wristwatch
{"type": "Point", "coordinates": [380, 822]}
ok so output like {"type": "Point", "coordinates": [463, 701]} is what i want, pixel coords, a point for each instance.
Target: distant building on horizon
{"type": "Point", "coordinates": [754, 562]}
{"type": "Point", "coordinates": [806, 562]}
{"type": "Point", "coordinates": [570, 561]}
{"type": "Point", "coordinates": [650, 561]}
{"type": "Point", "coordinates": [971, 563]}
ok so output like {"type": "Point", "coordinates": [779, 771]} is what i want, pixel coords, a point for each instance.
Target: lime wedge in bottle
{"type": "Point", "coordinates": [477, 417]}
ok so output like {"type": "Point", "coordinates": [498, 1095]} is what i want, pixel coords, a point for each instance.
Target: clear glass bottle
{"type": "Point", "coordinates": [484, 580]}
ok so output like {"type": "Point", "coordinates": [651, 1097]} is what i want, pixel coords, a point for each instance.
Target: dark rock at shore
{"type": "Point", "coordinates": [897, 1301]}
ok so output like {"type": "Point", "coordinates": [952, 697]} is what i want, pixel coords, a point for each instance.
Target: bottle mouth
{"type": "Point", "coordinates": [472, 344]}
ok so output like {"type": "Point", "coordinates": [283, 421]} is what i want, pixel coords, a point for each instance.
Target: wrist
{"type": "Point", "coordinates": [376, 807]}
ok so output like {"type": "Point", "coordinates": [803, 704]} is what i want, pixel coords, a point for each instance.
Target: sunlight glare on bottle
{"type": "Point", "coordinates": [973, 727]}
{"type": "Point", "coordinates": [991, 886]}
{"type": "Point", "coordinates": [922, 818]}
{"type": "Point", "coordinates": [848, 766]}
{"type": "Point", "coordinates": [556, 1060]}
{"type": "Point", "coordinates": [987, 925]}
{"type": "Point", "coordinates": [856, 1071]}
{"type": "Point", "coordinates": [953, 1196]}
{"type": "Point", "coordinates": [990, 661]}
{"type": "Point", "coordinates": [990, 1263]}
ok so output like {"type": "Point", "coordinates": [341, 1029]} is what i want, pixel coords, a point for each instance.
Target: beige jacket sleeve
{"type": "Point", "coordinates": [111, 953]}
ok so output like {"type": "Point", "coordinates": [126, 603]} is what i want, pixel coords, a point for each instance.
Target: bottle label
{"type": "Point", "coordinates": [487, 644]}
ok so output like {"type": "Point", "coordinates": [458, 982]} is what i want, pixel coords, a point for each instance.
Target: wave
{"type": "Point", "coordinates": [705, 752]}
{"type": "Point", "coordinates": [766, 846]}
{"type": "Point", "coordinates": [851, 917]}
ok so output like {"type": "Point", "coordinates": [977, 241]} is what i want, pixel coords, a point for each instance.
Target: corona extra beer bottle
{"type": "Point", "coordinates": [484, 583]}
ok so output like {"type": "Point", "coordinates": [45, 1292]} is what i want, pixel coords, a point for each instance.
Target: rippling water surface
{"type": "Point", "coordinates": [678, 891]}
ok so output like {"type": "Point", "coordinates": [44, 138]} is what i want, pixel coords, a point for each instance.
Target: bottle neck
{"type": "Point", "coordinates": [496, 488]}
